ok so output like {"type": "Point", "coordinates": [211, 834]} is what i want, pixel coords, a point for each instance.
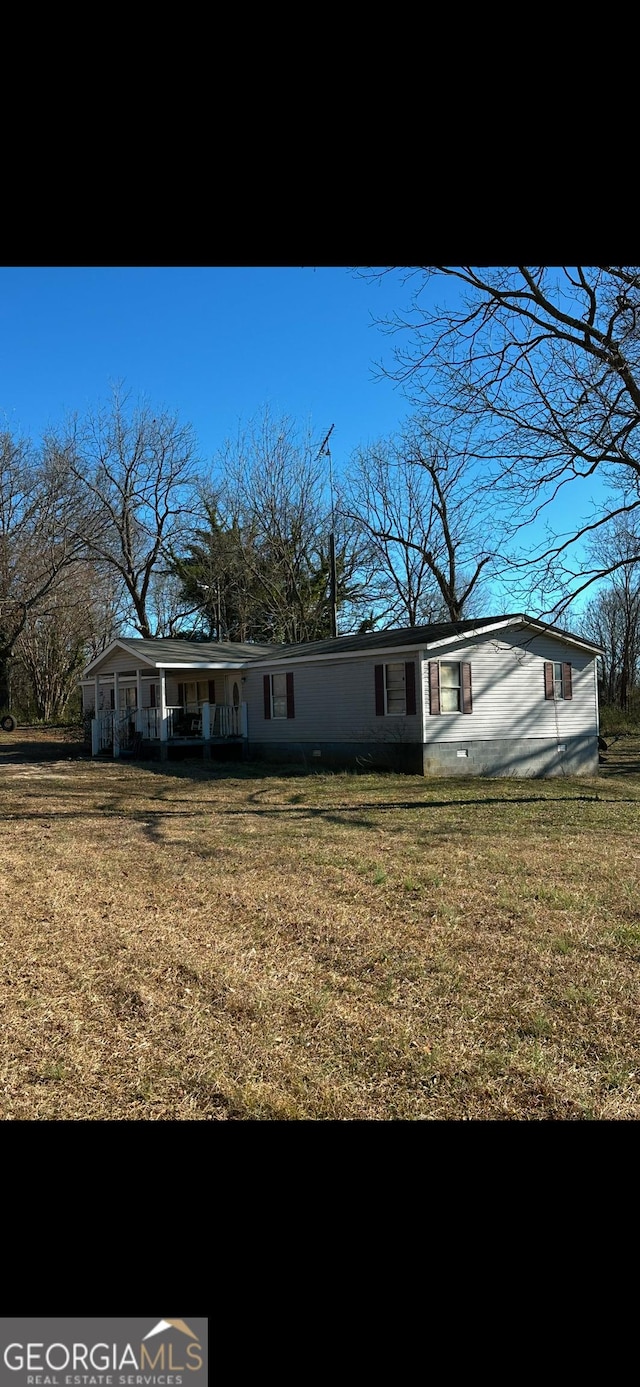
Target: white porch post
{"type": "Point", "coordinates": [163, 715]}
{"type": "Point", "coordinates": [206, 731]}
{"type": "Point", "coordinates": [116, 714]}
{"type": "Point", "coordinates": [139, 700]}
{"type": "Point", "coordinates": [95, 721]}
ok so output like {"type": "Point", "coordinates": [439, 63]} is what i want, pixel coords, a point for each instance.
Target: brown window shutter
{"type": "Point", "coordinates": [152, 695]}
{"type": "Point", "coordinates": [291, 710]}
{"type": "Point", "coordinates": [410, 686]}
{"type": "Point", "coordinates": [212, 690]}
{"type": "Point", "coordinates": [379, 677]}
{"type": "Point", "coordinates": [567, 687]}
{"type": "Point", "coordinates": [181, 695]}
{"type": "Point", "coordinates": [434, 687]}
{"type": "Point", "coordinates": [467, 700]}
{"type": "Point", "coordinates": [266, 684]}
{"type": "Point", "coordinates": [548, 679]}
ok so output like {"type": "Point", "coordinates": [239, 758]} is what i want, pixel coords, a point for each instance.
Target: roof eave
{"type": "Point", "coordinates": [119, 643]}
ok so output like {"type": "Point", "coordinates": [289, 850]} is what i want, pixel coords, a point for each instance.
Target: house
{"type": "Point", "coordinates": [502, 695]}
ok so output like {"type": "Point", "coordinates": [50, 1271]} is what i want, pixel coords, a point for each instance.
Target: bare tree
{"type": "Point", "coordinates": [52, 648]}
{"type": "Point", "coordinates": [106, 599]}
{"type": "Point", "coordinates": [414, 504]}
{"type": "Point", "coordinates": [544, 366]}
{"type": "Point", "coordinates": [41, 536]}
{"type": "Point", "coordinates": [136, 469]}
{"type": "Point", "coordinates": [613, 616]}
{"type": "Point", "coordinates": [79, 619]}
{"type": "Point", "coordinates": [265, 560]}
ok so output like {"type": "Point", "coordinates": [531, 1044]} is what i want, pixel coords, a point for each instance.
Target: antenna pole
{"type": "Point", "coordinates": [325, 451]}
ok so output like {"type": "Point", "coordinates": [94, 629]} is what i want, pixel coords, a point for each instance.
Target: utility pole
{"type": "Point", "coordinates": [325, 451]}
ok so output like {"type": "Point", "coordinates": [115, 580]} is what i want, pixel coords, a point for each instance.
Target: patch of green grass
{"type": "Point", "coordinates": [537, 1025]}
{"type": "Point", "coordinates": [52, 1073]}
{"type": "Point", "coordinates": [627, 935]}
{"type": "Point", "coordinates": [562, 944]}
{"type": "Point", "coordinates": [579, 996]}
{"type": "Point", "coordinates": [616, 1075]}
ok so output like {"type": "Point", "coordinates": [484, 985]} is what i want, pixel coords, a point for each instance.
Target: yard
{"type": "Point", "coordinates": [229, 942]}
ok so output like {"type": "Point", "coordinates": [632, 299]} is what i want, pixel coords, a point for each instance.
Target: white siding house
{"type": "Point", "coordinates": [494, 696]}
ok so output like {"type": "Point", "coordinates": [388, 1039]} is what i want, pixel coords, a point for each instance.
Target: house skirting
{"type": "Point", "coordinates": [373, 756]}
{"type": "Point", "coordinates": [509, 756]}
{"type": "Point", "coordinates": [517, 756]}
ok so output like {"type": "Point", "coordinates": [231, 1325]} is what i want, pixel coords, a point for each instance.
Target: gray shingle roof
{"type": "Point", "coordinates": [175, 652]}
{"type": "Point", "coordinates": [375, 640]}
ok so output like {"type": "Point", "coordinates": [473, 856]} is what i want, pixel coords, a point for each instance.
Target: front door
{"type": "Point", "coordinates": [234, 687]}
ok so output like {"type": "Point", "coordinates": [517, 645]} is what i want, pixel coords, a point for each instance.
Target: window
{"type": "Point", "coordinates": [193, 693]}
{"type": "Point", "coordinates": [450, 686]}
{"type": "Point", "coordinates": [128, 697]}
{"type": "Point", "coordinates": [558, 683]}
{"type": "Point", "coordinates": [396, 705]}
{"type": "Point", "coordinates": [395, 689]}
{"type": "Point", "coordinates": [278, 696]}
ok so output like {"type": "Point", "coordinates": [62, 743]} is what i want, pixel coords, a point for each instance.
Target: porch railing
{"type": "Point", "coordinates": [224, 720]}
{"type": "Point", "coordinates": [109, 722]}
{"type": "Point", "coordinates": [148, 722]}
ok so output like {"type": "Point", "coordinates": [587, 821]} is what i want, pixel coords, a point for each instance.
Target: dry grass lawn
{"type": "Point", "coordinates": [236, 943]}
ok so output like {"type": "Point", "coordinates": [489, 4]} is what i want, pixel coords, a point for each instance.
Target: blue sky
{"type": "Point", "coordinates": [214, 344]}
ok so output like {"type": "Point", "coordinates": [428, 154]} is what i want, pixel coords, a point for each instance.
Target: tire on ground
{"type": "Point", "coordinates": [8, 723]}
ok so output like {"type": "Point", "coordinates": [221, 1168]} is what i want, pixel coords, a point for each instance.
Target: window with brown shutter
{"type": "Point", "coordinates": [558, 683]}
{"type": "Point", "coordinates": [395, 689]}
{"type": "Point", "coordinates": [450, 686]}
{"type": "Point", "coordinates": [278, 696]}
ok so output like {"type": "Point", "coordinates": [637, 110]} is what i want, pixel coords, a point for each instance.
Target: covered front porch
{"type": "Point", "coordinates": [132, 711]}
{"type": "Point", "coordinates": [216, 723]}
